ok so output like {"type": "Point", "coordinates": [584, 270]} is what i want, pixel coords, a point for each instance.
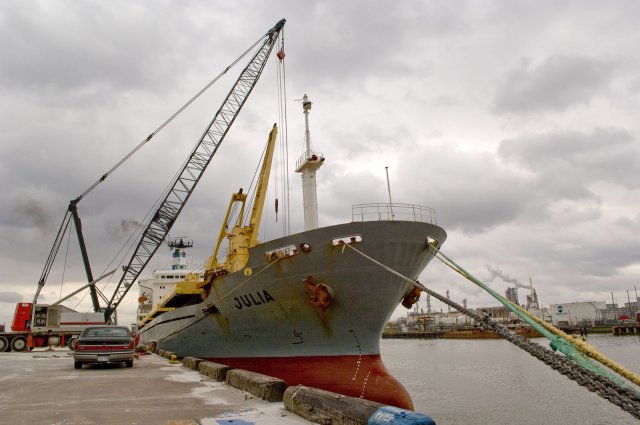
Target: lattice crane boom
{"type": "Point", "coordinates": [183, 185]}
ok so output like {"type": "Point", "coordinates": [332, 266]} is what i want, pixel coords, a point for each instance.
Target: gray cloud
{"type": "Point", "coordinates": [97, 48]}
{"type": "Point", "coordinates": [556, 84]}
{"type": "Point", "coordinates": [10, 297]}
{"type": "Point", "coordinates": [472, 191]}
{"type": "Point", "coordinates": [536, 172]}
{"type": "Point", "coordinates": [30, 212]}
{"type": "Point", "coordinates": [566, 163]}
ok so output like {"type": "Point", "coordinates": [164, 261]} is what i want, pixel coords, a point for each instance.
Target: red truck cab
{"type": "Point", "coordinates": [22, 317]}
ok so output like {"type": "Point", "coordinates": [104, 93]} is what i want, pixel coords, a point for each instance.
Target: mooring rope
{"type": "Point", "coordinates": [625, 398]}
{"type": "Point", "coordinates": [559, 340]}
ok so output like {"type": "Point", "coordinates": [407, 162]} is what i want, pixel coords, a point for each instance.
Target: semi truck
{"type": "Point", "coordinates": [46, 326]}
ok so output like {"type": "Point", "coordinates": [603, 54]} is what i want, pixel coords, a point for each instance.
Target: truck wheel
{"type": "Point", "coordinates": [128, 363]}
{"type": "Point", "coordinates": [77, 365]}
{"type": "Point", "coordinates": [72, 341]}
{"type": "Point", "coordinates": [4, 344]}
{"type": "Point", "coordinates": [19, 344]}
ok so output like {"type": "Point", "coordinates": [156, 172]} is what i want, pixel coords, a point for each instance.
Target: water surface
{"type": "Point", "coordinates": [495, 382]}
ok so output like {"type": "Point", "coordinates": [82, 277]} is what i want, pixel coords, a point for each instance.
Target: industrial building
{"type": "Point", "coordinates": [575, 313]}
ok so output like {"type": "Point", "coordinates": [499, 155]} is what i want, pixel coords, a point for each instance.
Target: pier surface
{"type": "Point", "coordinates": [43, 387]}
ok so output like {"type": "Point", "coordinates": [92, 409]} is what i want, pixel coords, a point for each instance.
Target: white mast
{"type": "Point", "coordinates": [308, 164]}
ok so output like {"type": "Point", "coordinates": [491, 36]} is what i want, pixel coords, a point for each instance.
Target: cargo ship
{"type": "Point", "coordinates": [304, 307]}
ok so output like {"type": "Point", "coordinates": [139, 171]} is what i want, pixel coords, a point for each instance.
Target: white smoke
{"type": "Point", "coordinates": [496, 272]}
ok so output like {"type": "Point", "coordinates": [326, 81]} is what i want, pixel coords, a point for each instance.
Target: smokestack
{"type": "Point", "coordinates": [448, 306]}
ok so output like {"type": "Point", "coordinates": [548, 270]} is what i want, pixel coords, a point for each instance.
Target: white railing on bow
{"type": "Point", "coordinates": [393, 212]}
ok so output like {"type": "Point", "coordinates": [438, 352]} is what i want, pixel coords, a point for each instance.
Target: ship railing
{"type": "Point", "coordinates": [304, 158]}
{"type": "Point", "coordinates": [393, 212]}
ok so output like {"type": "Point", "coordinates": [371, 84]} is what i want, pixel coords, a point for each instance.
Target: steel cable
{"type": "Point", "coordinates": [171, 118]}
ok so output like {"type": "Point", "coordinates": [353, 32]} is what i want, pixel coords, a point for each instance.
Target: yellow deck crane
{"type": "Point", "coordinates": [243, 237]}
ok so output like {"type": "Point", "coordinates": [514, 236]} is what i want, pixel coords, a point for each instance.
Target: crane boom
{"type": "Point", "coordinates": [192, 170]}
{"type": "Point", "coordinates": [240, 237]}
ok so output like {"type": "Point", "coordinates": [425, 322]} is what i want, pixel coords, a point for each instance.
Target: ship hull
{"type": "Point", "coordinates": [363, 376]}
{"type": "Point", "coordinates": [263, 318]}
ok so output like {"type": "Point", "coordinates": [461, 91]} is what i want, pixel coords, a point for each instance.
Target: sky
{"type": "Point", "coordinates": [517, 121]}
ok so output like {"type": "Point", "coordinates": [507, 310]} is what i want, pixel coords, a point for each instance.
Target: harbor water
{"type": "Point", "coordinates": [494, 382]}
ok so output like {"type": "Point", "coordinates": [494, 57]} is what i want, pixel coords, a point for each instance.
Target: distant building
{"type": "Point", "coordinates": [614, 313]}
{"type": "Point", "coordinates": [635, 304]}
{"type": "Point", "coordinates": [575, 313]}
{"type": "Point", "coordinates": [512, 295]}
{"type": "Point", "coordinates": [532, 301]}
{"type": "Point", "coordinates": [632, 307]}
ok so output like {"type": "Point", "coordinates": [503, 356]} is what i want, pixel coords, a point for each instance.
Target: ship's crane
{"type": "Point", "coordinates": [243, 237]}
{"type": "Point", "coordinates": [182, 186]}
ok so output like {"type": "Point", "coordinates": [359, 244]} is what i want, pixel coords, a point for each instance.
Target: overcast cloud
{"type": "Point", "coordinates": [557, 84]}
{"type": "Point", "coordinates": [517, 121]}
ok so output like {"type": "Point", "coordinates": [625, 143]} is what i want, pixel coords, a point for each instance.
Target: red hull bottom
{"type": "Point", "coordinates": [355, 376]}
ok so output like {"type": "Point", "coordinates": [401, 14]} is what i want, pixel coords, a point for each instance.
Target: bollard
{"type": "Point", "coordinates": [263, 386]}
{"type": "Point", "coordinates": [215, 371]}
{"type": "Point", "coordinates": [173, 359]}
{"type": "Point", "coordinates": [191, 362]}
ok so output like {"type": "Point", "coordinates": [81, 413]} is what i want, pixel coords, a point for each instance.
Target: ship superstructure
{"type": "Point", "coordinates": [160, 287]}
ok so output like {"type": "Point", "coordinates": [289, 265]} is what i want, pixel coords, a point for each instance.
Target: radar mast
{"type": "Point", "coordinates": [307, 165]}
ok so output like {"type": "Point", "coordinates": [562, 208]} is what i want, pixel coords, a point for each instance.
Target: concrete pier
{"type": "Point", "coordinates": [626, 329]}
{"type": "Point", "coordinates": [43, 387]}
